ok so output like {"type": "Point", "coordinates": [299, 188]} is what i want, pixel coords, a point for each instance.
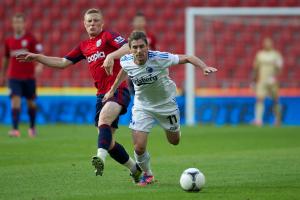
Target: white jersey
{"type": "Point", "coordinates": [152, 84]}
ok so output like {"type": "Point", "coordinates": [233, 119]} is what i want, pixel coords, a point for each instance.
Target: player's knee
{"type": "Point", "coordinates": [104, 120]}
{"type": "Point", "coordinates": [139, 150]}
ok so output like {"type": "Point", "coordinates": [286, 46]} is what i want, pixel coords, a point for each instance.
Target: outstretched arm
{"type": "Point", "coordinates": [183, 59]}
{"type": "Point", "coordinates": [55, 62]}
{"type": "Point", "coordinates": [3, 70]}
{"type": "Point", "coordinates": [122, 75]}
{"type": "Point", "coordinates": [108, 63]}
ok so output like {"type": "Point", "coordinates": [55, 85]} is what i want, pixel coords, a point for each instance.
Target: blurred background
{"type": "Point", "coordinates": [229, 43]}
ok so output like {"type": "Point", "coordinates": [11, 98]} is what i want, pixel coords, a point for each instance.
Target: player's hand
{"type": "Point", "coordinates": [208, 70]}
{"type": "Point", "coordinates": [108, 65]}
{"type": "Point", "coordinates": [26, 57]}
{"type": "Point", "coordinates": [107, 96]}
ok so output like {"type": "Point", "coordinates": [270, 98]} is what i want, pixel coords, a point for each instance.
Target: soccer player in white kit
{"type": "Point", "coordinates": [155, 94]}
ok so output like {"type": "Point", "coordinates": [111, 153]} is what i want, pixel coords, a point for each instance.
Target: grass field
{"type": "Point", "coordinates": [242, 163]}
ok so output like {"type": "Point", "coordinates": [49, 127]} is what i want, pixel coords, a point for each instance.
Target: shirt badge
{"type": "Point", "coordinates": [24, 43]}
{"type": "Point", "coordinates": [98, 43]}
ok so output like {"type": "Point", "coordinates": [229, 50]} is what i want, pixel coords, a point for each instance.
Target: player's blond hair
{"type": "Point", "coordinates": [93, 10]}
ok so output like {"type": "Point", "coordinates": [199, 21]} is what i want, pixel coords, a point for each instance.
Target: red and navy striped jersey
{"type": "Point", "coordinates": [95, 50]}
{"type": "Point", "coordinates": [14, 46]}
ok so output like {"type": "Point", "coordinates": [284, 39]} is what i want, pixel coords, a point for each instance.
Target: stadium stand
{"type": "Point", "coordinates": [59, 27]}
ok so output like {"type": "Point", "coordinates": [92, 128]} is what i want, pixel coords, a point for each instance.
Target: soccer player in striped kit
{"type": "Point", "coordinates": [100, 50]}
{"type": "Point", "coordinates": [21, 76]}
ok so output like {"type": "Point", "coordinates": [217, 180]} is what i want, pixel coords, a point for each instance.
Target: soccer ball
{"type": "Point", "coordinates": [192, 179]}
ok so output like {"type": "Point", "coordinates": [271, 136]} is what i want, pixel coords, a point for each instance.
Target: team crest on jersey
{"type": "Point", "coordinates": [98, 43]}
{"type": "Point", "coordinates": [149, 69]}
{"type": "Point", "coordinates": [24, 43]}
{"type": "Point", "coordinates": [119, 39]}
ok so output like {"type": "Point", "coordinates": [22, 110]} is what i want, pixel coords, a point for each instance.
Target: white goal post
{"type": "Point", "coordinates": [190, 14]}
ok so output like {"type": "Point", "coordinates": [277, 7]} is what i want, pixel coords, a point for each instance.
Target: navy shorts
{"type": "Point", "coordinates": [121, 96]}
{"type": "Point", "coordinates": [22, 88]}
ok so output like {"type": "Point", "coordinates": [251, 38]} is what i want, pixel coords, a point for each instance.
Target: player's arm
{"type": "Point", "coordinates": [55, 62]}
{"type": "Point", "coordinates": [197, 62]}
{"type": "Point", "coordinates": [109, 60]}
{"type": "Point", "coordinates": [122, 76]}
{"type": "Point", "coordinates": [255, 70]}
{"type": "Point", "coordinates": [3, 70]}
{"type": "Point", "coordinates": [278, 64]}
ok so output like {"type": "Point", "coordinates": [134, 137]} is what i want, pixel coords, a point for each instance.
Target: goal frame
{"type": "Point", "coordinates": [190, 14]}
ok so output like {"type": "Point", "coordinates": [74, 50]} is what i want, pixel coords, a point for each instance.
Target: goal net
{"type": "Point", "coordinates": [228, 38]}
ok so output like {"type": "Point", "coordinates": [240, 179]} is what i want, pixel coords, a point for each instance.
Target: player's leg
{"type": "Point", "coordinates": [169, 120]}
{"type": "Point", "coordinates": [141, 124]}
{"type": "Point", "coordinates": [30, 94]}
{"type": "Point", "coordinates": [259, 105]}
{"type": "Point", "coordinates": [274, 90]}
{"type": "Point", "coordinates": [15, 98]}
{"type": "Point", "coordinates": [107, 123]}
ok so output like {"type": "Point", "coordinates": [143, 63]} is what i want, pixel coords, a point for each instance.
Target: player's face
{"type": "Point", "coordinates": [18, 24]}
{"type": "Point", "coordinates": [139, 23]}
{"type": "Point", "coordinates": [268, 44]}
{"type": "Point", "coordinates": [139, 49]}
{"type": "Point", "coordinates": [93, 24]}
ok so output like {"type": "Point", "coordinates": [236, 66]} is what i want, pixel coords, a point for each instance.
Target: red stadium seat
{"type": "Point", "coordinates": [215, 3]}
{"type": "Point", "coordinates": [291, 3]}
{"type": "Point", "coordinates": [168, 13]}
{"type": "Point", "coordinates": [234, 3]}
{"type": "Point", "coordinates": [111, 13]}
{"type": "Point", "coordinates": [253, 3]}
{"type": "Point", "coordinates": [159, 3]}
{"type": "Point", "coordinates": [120, 3]}
{"type": "Point", "coordinates": [178, 4]}
{"type": "Point", "coordinates": [150, 12]}
{"type": "Point", "coordinates": [46, 3]}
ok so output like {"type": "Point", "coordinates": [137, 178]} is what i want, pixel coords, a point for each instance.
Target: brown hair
{"type": "Point", "coordinates": [136, 35]}
{"type": "Point", "coordinates": [19, 15]}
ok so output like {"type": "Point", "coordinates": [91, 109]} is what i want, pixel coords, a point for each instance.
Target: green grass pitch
{"type": "Point", "coordinates": [242, 163]}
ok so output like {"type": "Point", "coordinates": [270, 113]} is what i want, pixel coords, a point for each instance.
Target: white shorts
{"type": "Point", "coordinates": [167, 116]}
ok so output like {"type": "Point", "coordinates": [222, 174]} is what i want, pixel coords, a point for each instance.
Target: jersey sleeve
{"type": "Point", "coordinates": [279, 61]}
{"type": "Point", "coordinates": [6, 49]}
{"type": "Point", "coordinates": [167, 59]}
{"type": "Point", "coordinates": [75, 55]}
{"type": "Point", "coordinates": [115, 39]}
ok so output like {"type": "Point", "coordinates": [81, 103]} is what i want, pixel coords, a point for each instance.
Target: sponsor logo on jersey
{"type": "Point", "coordinates": [144, 80]}
{"type": "Point", "coordinates": [24, 43]}
{"type": "Point", "coordinates": [96, 56]}
{"type": "Point", "coordinates": [98, 43]}
{"type": "Point", "coordinates": [119, 39]}
{"type": "Point", "coordinates": [149, 69]}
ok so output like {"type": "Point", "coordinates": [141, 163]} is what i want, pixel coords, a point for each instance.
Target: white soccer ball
{"type": "Point", "coordinates": [192, 179]}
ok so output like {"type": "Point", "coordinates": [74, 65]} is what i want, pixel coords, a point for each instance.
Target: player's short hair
{"type": "Point", "coordinates": [137, 35]}
{"type": "Point", "coordinates": [139, 14]}
{"type": "Point", "coordinates": [19, 15]}
{"type": "Point", "coordinates": [93, 10]}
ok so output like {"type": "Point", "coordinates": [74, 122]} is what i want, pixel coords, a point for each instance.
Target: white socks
{"type": "Point", "coordinates": [259, 109]}
{"type": "Point", "coordinates": [144, 162]}
{"type": "Point", "coordinates": [102, 153]}
{"type": "Point", "coordinates": [131, 165]}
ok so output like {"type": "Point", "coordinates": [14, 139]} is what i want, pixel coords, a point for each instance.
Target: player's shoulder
{"type": "Point", "coordinates": [126, 58]}
{"type": "Point", "coordinates": [154, 55]}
